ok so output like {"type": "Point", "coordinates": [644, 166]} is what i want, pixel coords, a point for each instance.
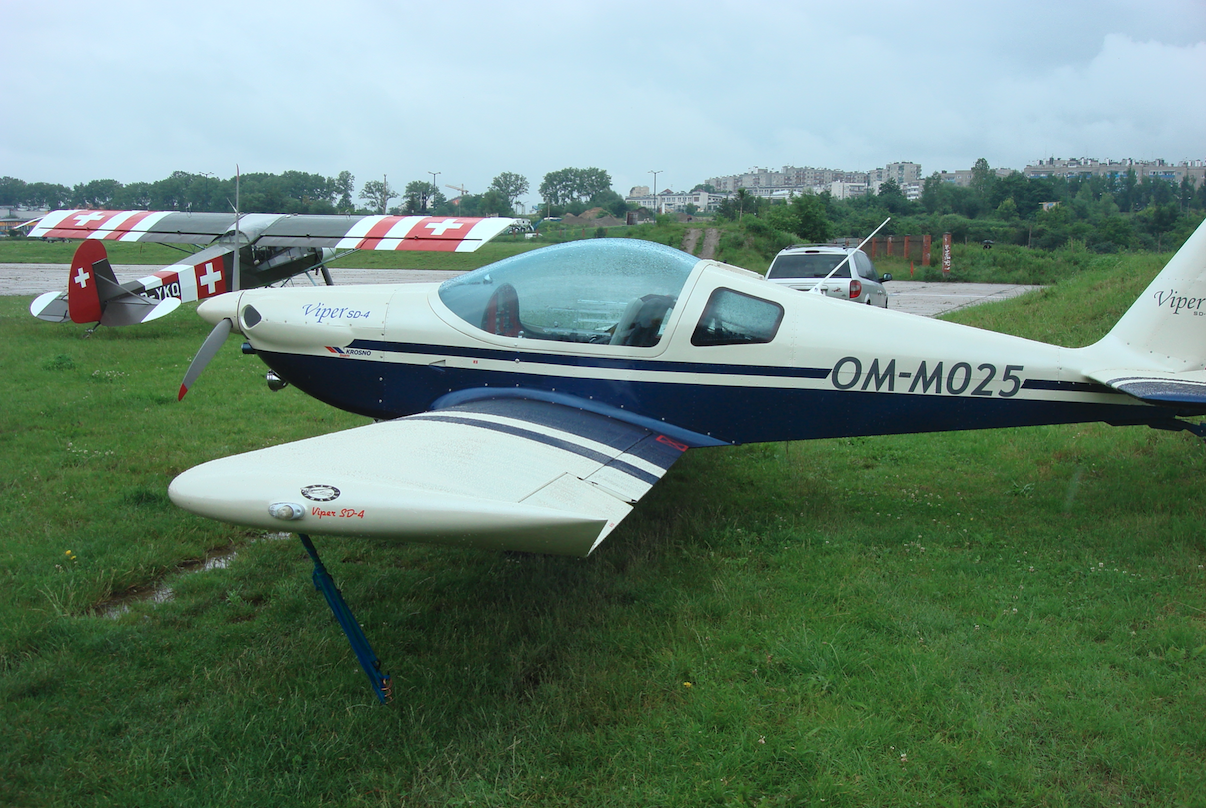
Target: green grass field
{"type": "Point", "coordinates": [1007, 618]}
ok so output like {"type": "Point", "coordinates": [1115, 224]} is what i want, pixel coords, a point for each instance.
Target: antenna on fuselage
{"type": "Point", "coordinates": [817, 288]}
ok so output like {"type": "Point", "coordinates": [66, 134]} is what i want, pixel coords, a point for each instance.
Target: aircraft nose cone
{"type": "Point", "coordinates": [222, 307]}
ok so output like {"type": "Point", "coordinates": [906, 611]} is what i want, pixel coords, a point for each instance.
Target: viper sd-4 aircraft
{"type": "Point", "coordinates": [530, 404]}
{"type": "Point", "coordinates": [272, 248]}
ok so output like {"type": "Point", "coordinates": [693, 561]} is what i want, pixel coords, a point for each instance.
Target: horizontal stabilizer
{"type": "Point", "coordinates": [131, 308]}
{"type": "Point", "coordinates": [51, 307]}
{"type": "Point", "coordinates": [1156, 387]}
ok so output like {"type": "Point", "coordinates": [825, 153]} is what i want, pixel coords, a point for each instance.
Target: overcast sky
{"type": "Point", "coordinates": [133, 90]}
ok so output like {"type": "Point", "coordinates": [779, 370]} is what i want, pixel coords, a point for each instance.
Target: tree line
{"type": "Point", "coordinates": [1103, 214]}
{"type": "Point", "coordinates": [565, 190]}
{"type": "Point", "coordinates": [290, 192]}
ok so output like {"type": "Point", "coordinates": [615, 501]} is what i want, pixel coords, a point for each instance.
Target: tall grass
{"type": "Point", "coordinates": [985, 618]}
{"type": "Point", "coordinates": [1004, 263]}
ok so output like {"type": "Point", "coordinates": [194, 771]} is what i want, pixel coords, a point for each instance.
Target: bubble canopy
{"type": "Point", "coordinates": [615, 291]}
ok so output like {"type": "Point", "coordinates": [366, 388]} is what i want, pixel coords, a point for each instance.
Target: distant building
{"type": "Point", "coordinates": [963, 178]}
{"type": "Point", "coordinates": [846, 190]}
{"type": "Point", "coordinates": [674, 201]}
{"type": "Point", "coordinates": [796, 180]}
{"type": "Point", "coordinates": [13, 217]}
{"type": "Point", "coordinates": [1084, 167]}
{"type": "Point", "coordinates": [902, 173]}
{"type": "Point", "coordinates": [784, 183]}
{"type": "Point", "coordinates": [791, 178]}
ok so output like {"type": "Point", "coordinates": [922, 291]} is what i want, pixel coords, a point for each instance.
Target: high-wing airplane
{"type": "Point", "coordinates": [272, 248]}
{"type": "Point", "coordinates": [530, 404]}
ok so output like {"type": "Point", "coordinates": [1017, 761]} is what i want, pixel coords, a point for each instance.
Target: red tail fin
{"type": "Point", "coordinates": [83, 299]}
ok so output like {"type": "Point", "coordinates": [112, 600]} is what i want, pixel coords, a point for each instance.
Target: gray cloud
{"type": "Point", "coordinates": [135, 90]}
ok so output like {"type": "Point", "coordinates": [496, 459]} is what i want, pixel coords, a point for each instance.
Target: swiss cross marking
{"type": "Point", "coordinates": [438, 228]}
{"type": "Point", "coordinates": [82, 219]}
{"type": "Point", "coordinates": [81, 278]}
{"type": "Point", "coordinates": [210, 278]}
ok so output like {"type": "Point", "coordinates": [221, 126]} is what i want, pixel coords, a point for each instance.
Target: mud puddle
{"type": "Point", "coordinates": [162, 591]}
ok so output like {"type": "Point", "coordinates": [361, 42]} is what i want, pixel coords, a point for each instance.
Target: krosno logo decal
{"type": "Point", "coordinates": [320, 493]}
{"type": "Point", "coordinates": [1171, 300]}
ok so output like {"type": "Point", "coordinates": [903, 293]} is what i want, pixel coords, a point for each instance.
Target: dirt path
{"type": "Point", "coordinates": [711, 241]}
{"type": "Point", "coordinates": [690, 239]}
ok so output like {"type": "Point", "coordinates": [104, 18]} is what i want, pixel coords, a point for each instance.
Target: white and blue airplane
{"type": "Point", "coordinates": [530, 404]}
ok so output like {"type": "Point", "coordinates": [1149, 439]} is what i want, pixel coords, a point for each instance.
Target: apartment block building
{"type": "Point", "coordinates": [963, 177]}
{"type": "Point", "coordinates": [796, 180]}
{"type": "Point", "coordinates": [1071, 168]}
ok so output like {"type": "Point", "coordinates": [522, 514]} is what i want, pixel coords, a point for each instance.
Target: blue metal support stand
{"type": "Point", "coordinates": [347, 621]}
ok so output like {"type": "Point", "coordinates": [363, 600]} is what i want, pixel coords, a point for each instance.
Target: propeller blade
{"type": "Point", "coordinates": [208, 348]}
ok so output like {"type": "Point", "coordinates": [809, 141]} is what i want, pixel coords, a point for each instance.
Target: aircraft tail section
{"type": "Point", "coordinates": [1157, 351]}
{"type": "Point", "coordinates": [94, 295]}
{"type": "Point", "coordinates": [84, 283]}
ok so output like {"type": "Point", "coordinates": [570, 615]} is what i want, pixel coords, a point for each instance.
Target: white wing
{"type": "Point", "coordinates": [509, 474]}
{"type": "Point", "coordinates": [435, 233]}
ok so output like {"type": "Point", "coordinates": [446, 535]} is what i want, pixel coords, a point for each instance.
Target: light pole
{"type": "Point", "coordinates": [434, 187]}
{"type": "Point", "coordinates": [655, 173]}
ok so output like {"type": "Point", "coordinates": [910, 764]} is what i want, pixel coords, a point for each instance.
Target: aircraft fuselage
{"type": "Point", "coordinates": [830, 368]}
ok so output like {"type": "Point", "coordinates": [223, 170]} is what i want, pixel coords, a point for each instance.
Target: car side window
{"type": "Point", "coordinates": [733, 318]}
{"type": "Point", "coordinates": [865, 267]}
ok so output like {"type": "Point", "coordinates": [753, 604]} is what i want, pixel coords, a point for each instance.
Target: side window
{"type": "Point", "coordinates": [865, 267]}
{"type": "Point", "coordinates": [733, 318]}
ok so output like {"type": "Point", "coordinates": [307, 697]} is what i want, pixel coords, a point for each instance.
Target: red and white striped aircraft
{"type": "Point", "coordinates": [271, 248]}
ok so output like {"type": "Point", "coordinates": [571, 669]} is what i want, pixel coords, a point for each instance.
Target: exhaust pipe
{"type": "Point", "coordinates": [275, 382]}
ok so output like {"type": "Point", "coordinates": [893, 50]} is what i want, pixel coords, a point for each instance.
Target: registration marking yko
{"type": "Point", "coordinates": [168, 289]}
{"type": "Point", "coordinates": [848, 372]}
